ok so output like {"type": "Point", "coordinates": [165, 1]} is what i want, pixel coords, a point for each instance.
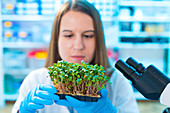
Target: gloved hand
{"type": "Point", "coordinates": [38, 97]}
{"type": "Point", "coordinates": [103, 105]}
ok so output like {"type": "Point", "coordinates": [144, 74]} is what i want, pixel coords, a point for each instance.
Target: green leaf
{"type": "Point", "coordinates": [79, 81]}
{"type": "Point", "coordinates": [109, 82]}
{"type": "Point", "coordinates": [103, 86]}
{"type": "Point", "coordinates": [70, 78]}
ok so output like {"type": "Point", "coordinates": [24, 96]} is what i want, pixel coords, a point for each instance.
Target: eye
{"type": "Point", "coordinates": [88, 36]}
{"type": "Point", "coordinates": [68, 36]}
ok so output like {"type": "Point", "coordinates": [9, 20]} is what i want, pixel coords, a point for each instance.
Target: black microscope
{"type": "Point", "coordinates": [150, 82]}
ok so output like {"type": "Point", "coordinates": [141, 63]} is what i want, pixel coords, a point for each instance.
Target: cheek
{"type": "Point", "coordinates": [62, 48]}
{"type": "Point", "coordinates": [91, 48]}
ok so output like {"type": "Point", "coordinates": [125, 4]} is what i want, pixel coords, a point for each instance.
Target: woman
{"type": "Point", "coordinates": [77, 35]}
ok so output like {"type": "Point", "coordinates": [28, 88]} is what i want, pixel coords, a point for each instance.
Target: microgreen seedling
{"type": "Point", "coordinates": [76, 79]}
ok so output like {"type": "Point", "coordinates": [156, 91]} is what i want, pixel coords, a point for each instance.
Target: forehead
{"type": "Point", "coordinates": [76, 20]}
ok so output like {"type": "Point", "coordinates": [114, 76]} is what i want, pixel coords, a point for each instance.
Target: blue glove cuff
{"type": "Point", "coordinates": [23, 109]}
{"type": "Point", "coordinates": [109, 108]}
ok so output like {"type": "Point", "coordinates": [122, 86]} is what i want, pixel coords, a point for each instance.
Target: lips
{"type": "Point", "coordinates": [78, 57]}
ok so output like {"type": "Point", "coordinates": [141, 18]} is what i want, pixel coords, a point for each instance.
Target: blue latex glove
{"type": "Point", "coordinates": [38, 97]}
{"type": "Point", "coordinates": [103, 105]}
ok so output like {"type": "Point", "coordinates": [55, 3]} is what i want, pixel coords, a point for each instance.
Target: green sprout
{"type": "Point", "coordinates": [76, 79]}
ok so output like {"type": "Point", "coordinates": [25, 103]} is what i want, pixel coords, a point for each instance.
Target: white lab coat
{"type": "Point", "coordinates": [120, 93]}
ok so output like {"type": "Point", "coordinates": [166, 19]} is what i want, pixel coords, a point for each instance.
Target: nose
{"type": "Point", "coordinates": [78, 43]}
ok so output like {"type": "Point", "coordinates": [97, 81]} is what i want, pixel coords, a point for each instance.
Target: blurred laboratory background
{"type": "Point", "coordinates": [133, 28]}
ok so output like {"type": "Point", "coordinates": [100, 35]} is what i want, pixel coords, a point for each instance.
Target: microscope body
{"type": "Point", "coordinates": [150, 82]}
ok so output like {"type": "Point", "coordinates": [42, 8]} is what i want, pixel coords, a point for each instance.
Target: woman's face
{"type": "Point", "coordinates": [76, 37]}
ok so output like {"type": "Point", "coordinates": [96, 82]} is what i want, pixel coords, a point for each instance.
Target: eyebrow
{"type": "Point", "coordinates": [66, 31]}
{"type": "Point", "coordinates": [89, 31]}
{"type": "Point", "coordinates": [83, 32]}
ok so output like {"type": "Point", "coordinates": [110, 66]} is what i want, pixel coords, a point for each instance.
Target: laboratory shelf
{"type": "Point", "coordinates": [147, 19]}
{"type": "Point", "coordinates": [43, 18]}
{"type": "Point", "coordinates": [141, 46]}
{"type": "Point", "coordinates": [143, 34]}
{"type": "Point", "coordinates": [21, 72]}
{"type": "Point", "coordinates": [24, 45]}
{"type": "Point", "coordinates": [144, 3]}
{"type": "Point", "coordinates": [108, 19]}
{"type": "Point", "coordinates": [2, 101]}
{"type": "Point", "coordinates": [0, 44]}
{"type": "Point", "coordinates": [11, 97]}
{"type": "Point", "coordinates": [28, 17]}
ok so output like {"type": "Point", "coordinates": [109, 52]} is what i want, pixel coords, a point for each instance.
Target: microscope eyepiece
{"type": "Point", "coordinates": [126, 70]}
{"type": "Point", "coordinates": [137, 66]}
